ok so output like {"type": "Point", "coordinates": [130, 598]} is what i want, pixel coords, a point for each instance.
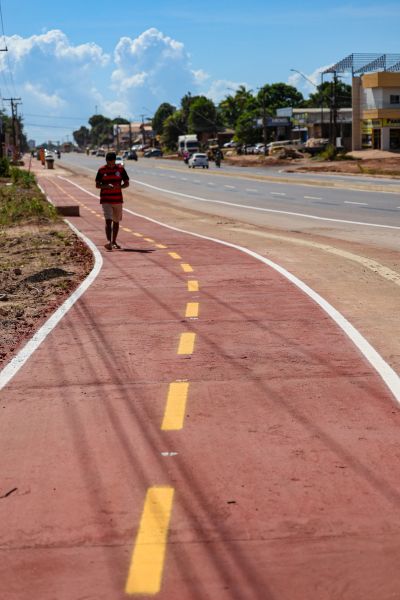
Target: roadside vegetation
{"type": "Point", "coordinates": [242, 112]}
{"type": "Point", "coordinates": [41, 259]}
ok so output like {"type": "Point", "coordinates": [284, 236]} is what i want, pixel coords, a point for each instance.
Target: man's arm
{"type": "Point", "coordinates": [125, 178]}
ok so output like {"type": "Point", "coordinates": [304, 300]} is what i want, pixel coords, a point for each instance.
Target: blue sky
{"type": "Point", "coordinates": [65, 59]}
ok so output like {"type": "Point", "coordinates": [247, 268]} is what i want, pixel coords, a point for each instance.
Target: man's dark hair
{"type": "Point", "coordinates": [111, 156]}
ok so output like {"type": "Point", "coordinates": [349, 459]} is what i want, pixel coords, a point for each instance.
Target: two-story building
{"type": "Point", "coordinates": [376, 111]}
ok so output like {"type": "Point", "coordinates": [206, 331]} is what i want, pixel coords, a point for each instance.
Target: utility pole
{"type": "Point", "coordinates": [130, 135]}
{"type": "Point", "coordinates": [264, 120]}
{"type": "Point", "coordinates": [14, 123]}
{"type": "Point", "coordinates": [143, 132]}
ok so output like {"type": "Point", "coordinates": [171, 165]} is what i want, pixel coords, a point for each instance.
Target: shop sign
{"type": "Point", "coordinates": [391, 122]}
{"type": "Point", "coordinates": [367, 125]}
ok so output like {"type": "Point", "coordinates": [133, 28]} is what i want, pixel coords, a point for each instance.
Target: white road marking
{"type": "Point", "coordinates": [183, 178]}
{"type": "Point", "coordinates": [312, 198]}
{"type": "Point", "coordinates": [251, 191]}
{"type": "Point", "coordinates": [172, 177]}
{"type": "Point", "coordinates": [230, 187]}
{"type": "Point", "coordinates": [196, 181]}
{"type": "Point", "coordinates": [212, 184]}
{"type": "Point", "coordinates": [277, 194]}
{"type": "Point", "coordinates": [360, 203]}
{"type": "Point", "coordinates": [249, 207]}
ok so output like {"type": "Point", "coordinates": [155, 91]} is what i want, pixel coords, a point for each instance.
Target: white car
{"type": "Point", "coordinates": [119, 161]}
{"type": "Point", "coordinates": [198, 160]}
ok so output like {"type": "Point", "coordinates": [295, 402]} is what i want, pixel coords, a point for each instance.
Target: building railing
{"type": "Point", "coordinates": [379, 105]}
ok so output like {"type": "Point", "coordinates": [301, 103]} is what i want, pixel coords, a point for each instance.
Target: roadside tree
{"type": "Point", "coordinates": [163, 111]}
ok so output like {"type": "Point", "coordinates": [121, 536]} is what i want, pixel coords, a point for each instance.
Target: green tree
{"type": "Point", "coordinates": [202, 116]}
{"type": "Point", "coordinates": [174, 126]}
{"type": "Point", "coordinates": [163, 111]}
{"type": "Point", "coordinates": [324, 94]}
{"type": "Point", "coordinates": [82, 136]}
{"type": "Point", "coordinates": [101, 132]}
{"type": "Point", "coordinates": [278, 95]}
{"type": "Point", "coordinates": [246, 131]}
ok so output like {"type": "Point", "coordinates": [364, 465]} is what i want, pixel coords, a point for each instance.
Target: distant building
{"type": "Point", "coordinates": [316, 123]}
{"type": "Point", "coordinates": [376, 109]}
{"type": "Point", "coordinates": [126, 135]}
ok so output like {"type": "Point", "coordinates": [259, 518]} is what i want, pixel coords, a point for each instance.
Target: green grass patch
{"type": "Point", "coordinates": [22, 178]}
{"type": "Point", "coordinates": [19, 206]}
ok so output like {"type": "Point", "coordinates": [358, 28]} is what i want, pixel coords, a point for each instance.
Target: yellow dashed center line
{"type": "Point", "coordinates": [192, 309]}
{"type": "Point", "coordinates": [174, 255]}
{"type": "Point", "coordinates": [161, 246]}
{"type": "Point", "coordinates": [186, 343]}
{"type": "Point", "coordinates": [148, 556]}
{"type": "Point", "coordinates": [137, 234]}
{"type": "Point", "coordinates": [176, 406]}
{"type": "Point", "coordinates": [193, 285]}
{"type": "Point", "coordinates": [149, 240]}
{"type": "Point", "coordinates": [127, 229]}
{"type": "Point", "coordinates": [186, 267]}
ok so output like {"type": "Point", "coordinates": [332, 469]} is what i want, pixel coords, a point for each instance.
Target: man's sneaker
{"type": "Point", "coordinates": [108, 246]}
{"type": "Point", "coordinates": [116, 246]}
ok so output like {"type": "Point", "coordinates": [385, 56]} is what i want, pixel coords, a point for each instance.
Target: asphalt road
{"type": "Point", "coordinates": [253, 191]}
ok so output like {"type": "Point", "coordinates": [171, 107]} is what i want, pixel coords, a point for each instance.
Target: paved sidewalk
{"type": "Point", "coordinates": [197, 402]}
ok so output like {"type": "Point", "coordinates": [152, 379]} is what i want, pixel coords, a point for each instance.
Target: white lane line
{"type": "Point", "coordinates": [26, 352]}
{"type": "Point", "coordinates": [360, 203]}
{"type": "Point", "coordinates": [230, 187]}
{"type": "Point", "coordinates": [196, 181]}
{"type": "Point", "coordinates": [249, 207]}
{"type": "Point", "coordinates": [183, 178]}
{"type": "Point", "coordinates": [312, 198]}
{"type": "Point", "coordinates": [251, 191]}
{"type": "Point", "coordinates": [385, 371]}
{"type": "Point", "coordinates": [277, 194]}
{"type": "Point", "coordinates": [172, 177]}
{"type": "Point", "coordinates": [212, 184]}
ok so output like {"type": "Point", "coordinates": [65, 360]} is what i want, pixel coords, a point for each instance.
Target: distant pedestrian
{"type": "Point", "coordinates": [111, 179]}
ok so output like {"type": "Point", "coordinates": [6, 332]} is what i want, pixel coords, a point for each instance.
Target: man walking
{"type": "Point", "coordinates": [111, 179]}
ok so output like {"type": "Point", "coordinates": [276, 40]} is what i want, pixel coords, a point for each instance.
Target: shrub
{"type": "Point", "coordinates": [18, 207]}
{"type": "Point", "coordinates": [4, 167]}
{"type": "Point", "coordinates": [22, 178]}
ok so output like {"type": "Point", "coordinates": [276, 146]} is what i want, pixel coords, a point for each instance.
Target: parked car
{"type": "Point", "coordinates": [131, 155]}
{"type": "Point", "coordinates": [230, 144]}
{"type": "Point", "coordinates": [100, 152]}
{"type": "Point", "coordinates": [274, 147]}
{"type": "Point", "coordinates": [119, 161]}
{"type": "Point", "coordinates": [259, 148]}
{"type": "Point", "coordinates": [198, 160]}
{"type": "Point", "coordinates": [152, 152]}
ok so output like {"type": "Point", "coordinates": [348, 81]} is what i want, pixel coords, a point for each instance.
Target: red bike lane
{"type": "Point", "coordinates": [195, 427]}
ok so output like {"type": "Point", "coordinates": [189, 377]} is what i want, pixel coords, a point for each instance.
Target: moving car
{"type": "Point", "coordinates": [153, 152]}
{"type": "Point", "coordinates": [100, 152]}
{"type": "Point", "coordinates": [119, 161]}
{"type": "Point", "coordinates": [198, 160]}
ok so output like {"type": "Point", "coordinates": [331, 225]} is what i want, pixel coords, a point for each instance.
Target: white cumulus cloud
{"type": "Point", "coordinates": [151, 69]}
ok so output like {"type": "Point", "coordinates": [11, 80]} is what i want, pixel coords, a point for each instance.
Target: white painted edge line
{"type": "Point", "coordinates": [350, 202]}
{"type": "Point", "coordinates": [8, 372]}
{"type": "Point", "coordinates": [259, 208]}
{"type": "Point", "coordinates": [385, 371]}
{"type": "Point", "coordinates": [277, 193]}
{"type": "Point", "coordinates": [312, 198]}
